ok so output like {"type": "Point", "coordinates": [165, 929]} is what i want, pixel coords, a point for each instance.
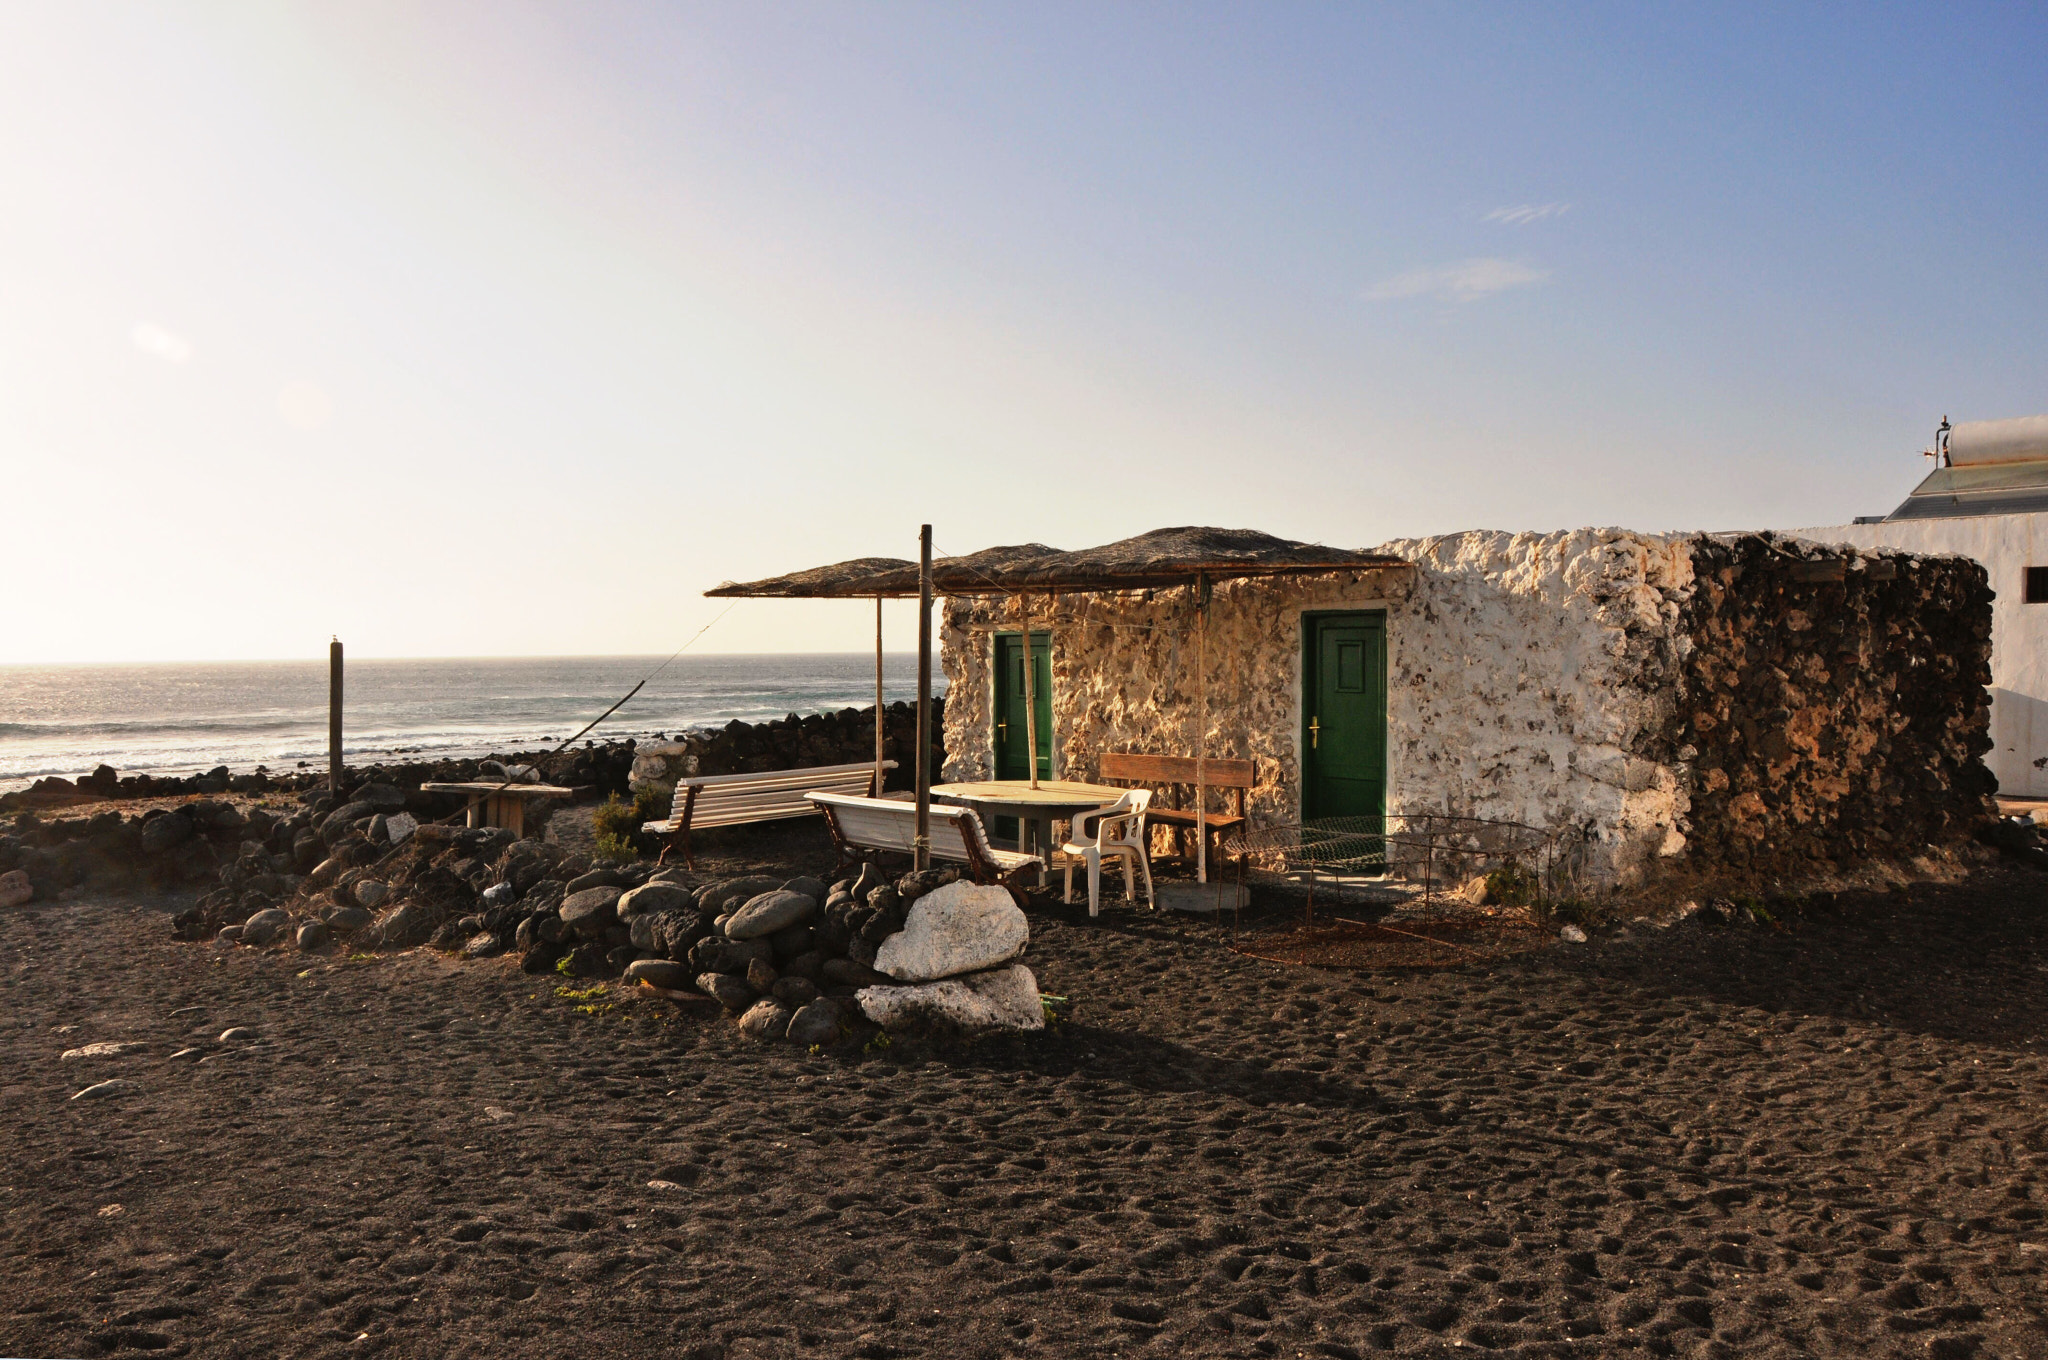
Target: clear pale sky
{"type": "Point", "coordinates": [503, 329]}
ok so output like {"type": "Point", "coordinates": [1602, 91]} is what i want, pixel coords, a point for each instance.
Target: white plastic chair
{"type": "Point", "coordinates": [1120, 835]}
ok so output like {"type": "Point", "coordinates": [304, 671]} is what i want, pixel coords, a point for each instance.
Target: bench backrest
{"type": "Point", "coordinates": [1218, 772]}
{"type": "Point", "coordinates": [732, 799]}
{"type": "Point", "coordinates": [885, 824]}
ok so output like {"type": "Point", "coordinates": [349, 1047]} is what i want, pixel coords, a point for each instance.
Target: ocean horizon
{"type": "Point", "coordinates": [180, 718]}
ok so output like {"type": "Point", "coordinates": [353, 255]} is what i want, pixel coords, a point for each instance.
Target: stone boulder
{"type": "Point", "coordinates": [664, 973]}
{"type": "Point", "coordinates": [770, 912]}
{"type": "Point", "coordinates": [958, 928]}
{"type": "Point", "coordinates": [313, 935]}
{"type": "Point", "coordinates": [349, 921]}
{"type": "Point", "coordinates": [15, 889]}
{"type": "Point", "coordinates": [824, 1021]}
{"type": "Point", "coordinates": [592, 911]}
{"type": "Point", "coordinates": [370, 892]}
{"type": "Point", "coordinates": [654, 898]}
{"type": "Point", "coordinates": [767, 1019]}
{"type": "Point", "coordinates": [407, 924]}
{"type": "Point", "coordinates": [1003, 998]}
{"type": "Point", "coordinates": [264, 927]}
{"type": "Point", "coordinates": [165, 833]}
{"type": "Point", "coordinates": [380, 797]}
{"type": "Point", "coordinates": [728, 991]}
{"type": "Point", "coordinates": [718, 897]}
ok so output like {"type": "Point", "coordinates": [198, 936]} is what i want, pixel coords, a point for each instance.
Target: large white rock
{"type": "Point", "coordinates": [959, 928]}
{"type": "Point", "coordinates": [1003, 998]}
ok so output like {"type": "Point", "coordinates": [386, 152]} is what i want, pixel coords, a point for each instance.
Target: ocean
{"type": "Point", "coordinates": [188, 717]}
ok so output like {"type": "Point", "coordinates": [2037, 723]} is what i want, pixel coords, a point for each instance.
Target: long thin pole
{"type": "Point", "coordinates": [1201, 731]}
{"type": "Point", "coordinates": [334, 718]}
{"type": "Point", "coordinates": [1030, 694]}
{"type": "Point", "coordinates": [922, 855]}
{"type": "Point", "coordinates": [881, 730]}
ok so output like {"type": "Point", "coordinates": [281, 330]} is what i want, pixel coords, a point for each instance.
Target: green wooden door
{"type": "Point", "coordinates": [1009, 717]}
{"type": "Point", "coordinates": [1344, 715]}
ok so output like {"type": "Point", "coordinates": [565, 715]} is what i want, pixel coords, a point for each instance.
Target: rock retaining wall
{"type": "Point", "coordinates": [1834, 706]}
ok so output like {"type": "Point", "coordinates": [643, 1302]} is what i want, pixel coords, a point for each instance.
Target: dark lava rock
{"type": "Point", "coordinates": [848, 973]}
{"type": "Point", "coordinates": [714, 954]}
{"type": "Point", "coordinates": [808, 965]}
{"type": "Point", "coordinates": [717, 898]}
{"type": "Point", "coordinates": [761, 976]}
{"type": "Point", "coordinates": [809, 887]}
{"type": "Point", "coordinates": [823, 1021]}
{"type": "Point", "coordinates": [313, 935]}
{"type": "Point", "coordinates": [589, 912]}
{"type": "Point", "coordinates": [539, 958]}
{"type": "Point", "coordinates": [347, 921]}
{"type": "Point", "coordinates": [912, 886]}
{"type": "Point", "coordinates": [727, 990]}
{"type": "Point", "coordinates": [618, 957]}
{"type": "Point", "coordinates": [791, 941]}
{"type": "Point", "coordinates": [380, 797]}
{"type": "Point", "coordinates": [165, 833]}
{"type": "Point", "coordinates": [485, 945]}
{"type": "Point", "coordinates": [794, 992]}
{"type": "Point", "coordinates": [587, 961]}
{"type": "Point", "coordinates": [264, 927]}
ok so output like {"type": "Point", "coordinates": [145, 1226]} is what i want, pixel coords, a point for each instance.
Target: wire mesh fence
{"type": "Point", "coordinates": [1449, 890]}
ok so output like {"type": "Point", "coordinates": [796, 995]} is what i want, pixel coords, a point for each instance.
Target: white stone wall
{"type": "Point", "coordinates": [2006, 545]}
{"type": "Point", "coordinates": [1527, 674]}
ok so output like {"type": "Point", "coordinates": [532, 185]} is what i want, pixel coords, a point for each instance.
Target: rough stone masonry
{"type": "Point", "coordinates": [1740, 703]}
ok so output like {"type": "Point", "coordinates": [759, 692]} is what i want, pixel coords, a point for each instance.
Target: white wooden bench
{"type": "Point", "coordinates": [862, 826]}
{"type": "Point", "coordinates": [770, 796]}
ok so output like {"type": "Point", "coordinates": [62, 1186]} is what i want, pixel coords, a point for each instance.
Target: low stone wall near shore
{"type": "Point", "coordinates": [846, 737]}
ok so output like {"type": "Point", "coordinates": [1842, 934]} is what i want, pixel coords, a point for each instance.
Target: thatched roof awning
{"type": "Point", "coordinates": [1164, 557]}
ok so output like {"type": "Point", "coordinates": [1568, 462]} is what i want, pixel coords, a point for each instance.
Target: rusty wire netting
{"type": "Point", "coordinates": [1451, 890]}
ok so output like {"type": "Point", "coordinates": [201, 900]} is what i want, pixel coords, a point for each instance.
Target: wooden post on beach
{"type": "Point", "coordinates": [922, 854]}
{"type": "Point", "coordinates": [334, 719]}
{"type": "Point", "coordinates": [881, 728]}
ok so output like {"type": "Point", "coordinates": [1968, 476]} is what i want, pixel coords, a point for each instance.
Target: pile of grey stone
{"type": "Point", "coordinates": [812, 964]}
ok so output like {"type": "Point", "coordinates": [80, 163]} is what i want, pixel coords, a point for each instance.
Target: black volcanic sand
{"type": "Point", "coordinates": [1827, 1141]}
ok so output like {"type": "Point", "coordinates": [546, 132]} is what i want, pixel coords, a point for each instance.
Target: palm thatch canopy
{"type": "Point", "coordinates": [1164, 557]}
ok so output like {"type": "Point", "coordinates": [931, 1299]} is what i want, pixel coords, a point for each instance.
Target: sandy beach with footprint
{"type": "Point", "coordinates": [1827, 1140]}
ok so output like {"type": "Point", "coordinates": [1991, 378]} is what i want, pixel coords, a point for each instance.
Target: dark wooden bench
{"type": "Point", "coordinates": [1174, 773]}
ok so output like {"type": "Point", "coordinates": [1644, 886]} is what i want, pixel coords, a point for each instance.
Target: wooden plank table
{"type": "Point", "coordinates": [1035, 809]}
{"type": "Point", "coordinates": [493, 802]}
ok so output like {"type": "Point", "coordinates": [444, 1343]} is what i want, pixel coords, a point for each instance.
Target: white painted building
{"type": "Point", "coordinates": [1988, 500]}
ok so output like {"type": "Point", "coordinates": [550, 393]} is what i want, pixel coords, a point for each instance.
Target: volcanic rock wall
{"type": "Point", "coordinates": [1834, 707]}
{"type": "Point", "coordinates": [1551, 679]}
{"type": "Point", "coordinates": [846, 737]}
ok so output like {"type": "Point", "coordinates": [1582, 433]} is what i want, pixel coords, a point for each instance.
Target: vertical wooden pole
{"type": "Point", "coordinates": [1201, 729]}
{"type": "Point", "coordinates": [922, 857]}
{"type": "Point", "coordinates": [334, 719]}
{"type": "Point", "coordinates": [1030, 693]}
{"type": "Point", "coordinates": [881, 729]}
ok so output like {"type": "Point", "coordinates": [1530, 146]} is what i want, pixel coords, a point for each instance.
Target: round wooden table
{"type": "Point", "coordinates": [1035, 809]}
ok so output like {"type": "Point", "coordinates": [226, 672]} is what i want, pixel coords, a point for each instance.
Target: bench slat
{"type": "Point", "coordinates": [1219, 772]}
{"type": "Point", "coordinates": [712, 781]}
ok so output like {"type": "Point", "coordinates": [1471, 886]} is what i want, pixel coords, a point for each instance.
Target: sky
{"type": "Point", "coordinates": [507, 329]}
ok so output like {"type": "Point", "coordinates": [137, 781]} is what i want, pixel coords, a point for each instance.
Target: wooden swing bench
{"type": "Point", "coordinates": [768, 796]}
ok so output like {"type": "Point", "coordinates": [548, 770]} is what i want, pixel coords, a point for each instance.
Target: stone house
{"type": "Point", "coordinates": [1747, 704]}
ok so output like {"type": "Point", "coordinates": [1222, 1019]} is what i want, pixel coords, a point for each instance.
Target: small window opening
{"type": "Point", "coordinates": [2037, 585]}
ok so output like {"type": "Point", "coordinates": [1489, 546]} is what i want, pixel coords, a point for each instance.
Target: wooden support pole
{"type": "Point", "coordinates": [881, 726]}
{"type": "Point", "coordinates": [922, 856]}
{"type": "Point", "coordinates": [1030, 693]}
{"type": "Point", "coordinates": [334, 719]}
